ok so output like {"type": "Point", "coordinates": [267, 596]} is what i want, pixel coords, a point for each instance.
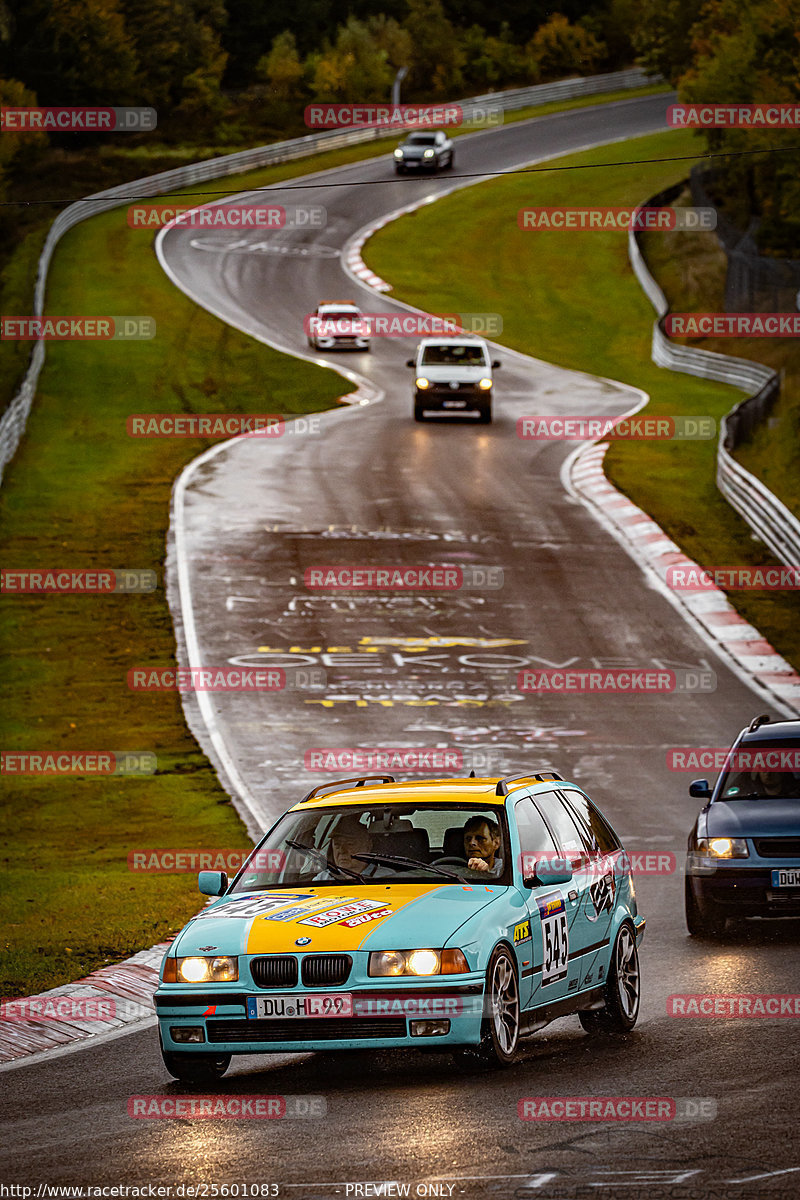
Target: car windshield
{"type": "Point", "coordinates": [453, 356]}
{"type": "Point", "coordinates": [339, 314]}
{"type": "Point", "coordinates": [763, 770]}
{"type": "Point", "coordinates": [402, 843]}
{"type": "Point", "coordinates": [421, 139]}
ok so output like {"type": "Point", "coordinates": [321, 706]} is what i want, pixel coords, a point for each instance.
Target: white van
{"type": "Point", "coordinates": [453, 375]}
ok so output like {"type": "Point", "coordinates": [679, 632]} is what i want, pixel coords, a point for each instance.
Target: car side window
{"type": "Point", "coordinates": [573, 841]}
{"type": "Point", "coordinates": [603, 838]}
{"type": "Point", "coordinates": [534, 836]}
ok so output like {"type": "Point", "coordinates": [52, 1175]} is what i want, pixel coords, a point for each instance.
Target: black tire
{"type": "Point", "coordinates": [500, 1026]}
{"type": "Point", "coordinates": [451, 160]}
{"type": "Point", "coordinates": [703, 919]}
{"type": "Point", "coordinates": [198, 1069]}
{"type": "Point", "coordinates": [623, 988]}
{"type": "Point", "coordinates": [485, 415]}
{"type": "Point", "coordinates": [419, 410]}
{"type": "Point", "coordinates": [399, 170]}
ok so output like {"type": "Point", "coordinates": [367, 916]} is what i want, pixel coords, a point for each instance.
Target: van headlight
{"type": "Point", "coordinates": [423, 383]}
{"type": "Point", "coordinates": [429, 154]}
{"type": "Point", "coordinates": [723, 847]}
{"type": "Point", "coordinates": [398, 153]}
{"type": "Point", "coordinates": [484, 384]}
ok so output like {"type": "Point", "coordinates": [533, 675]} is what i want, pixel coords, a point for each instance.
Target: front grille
{"type": "Point", "coordinates": [778, 847]}
{"type": "Point", "coordinates": [275, 971]}
{"type": "Point", "coordinates": [313, 1029]}
{"type": "Point", "coordinates": [200, 999]}
{"type": "Point", "coordinates": [326, 970]}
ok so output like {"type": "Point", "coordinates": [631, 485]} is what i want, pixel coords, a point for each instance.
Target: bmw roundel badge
{"type": "Point", "coordinates": [303, 942]}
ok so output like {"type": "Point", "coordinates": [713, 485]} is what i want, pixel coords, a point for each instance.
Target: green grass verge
{"type": "Point", "coordinates": [574, 300]}
{"type": "Point", "coordinates": [691, 270]}
{"type": "Point", "coordinates": [80, 493]}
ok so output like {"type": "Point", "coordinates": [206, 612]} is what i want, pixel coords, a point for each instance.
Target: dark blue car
{"type": "Point", "coordinates": [743, 857]}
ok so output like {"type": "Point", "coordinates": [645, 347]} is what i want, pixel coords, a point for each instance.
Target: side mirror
{"type": "Point", "coordinates": [213, 883]}
{"type": "Point", "coordinates": [496, 363]}
{"type": "Point", "coordinates": [411, 363]}
{"type": "Point", "coordinates": [548, 871]}
{"type": "Point", "coordinates": [700, 789]}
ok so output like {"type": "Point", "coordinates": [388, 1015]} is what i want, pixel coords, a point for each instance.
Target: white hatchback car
{"type": "Point", "coordinates": [453, 375]}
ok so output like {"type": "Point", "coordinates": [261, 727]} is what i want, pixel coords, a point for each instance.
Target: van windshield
{"type": "Point", "coordinates": [453, 356]}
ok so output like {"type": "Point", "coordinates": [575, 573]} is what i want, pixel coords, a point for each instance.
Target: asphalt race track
{"type": "Point", "coordinates": [439, 669]}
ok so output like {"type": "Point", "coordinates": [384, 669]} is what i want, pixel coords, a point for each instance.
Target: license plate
{"type": "Point", "coordinates": [789, 878]}
{"type": "Point", "coordinates": [292, 1006]}
{"type": "Point", "coordinates": [454, 404]}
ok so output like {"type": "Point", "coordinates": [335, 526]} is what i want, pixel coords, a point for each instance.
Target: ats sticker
{"type": "Point", "coordinates": [522, 932]}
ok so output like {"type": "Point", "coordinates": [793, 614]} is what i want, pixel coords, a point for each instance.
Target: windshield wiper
{"type": "Point", "coordinates": [401, 861]}
{"type": "Point", "coordinates": [323, 858]}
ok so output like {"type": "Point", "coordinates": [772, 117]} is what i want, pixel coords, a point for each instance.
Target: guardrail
{"type": "Point", "coordinates": [767, 516]}
{"type": "Point", "coordinates": [15, 418]}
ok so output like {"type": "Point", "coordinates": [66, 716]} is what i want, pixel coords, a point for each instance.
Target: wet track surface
{"type": "Point", "coordinates": [439, 669]}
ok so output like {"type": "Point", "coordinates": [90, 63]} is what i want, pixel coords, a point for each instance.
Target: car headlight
{"type": "Point", "coordinates": [429, 154]}
{"type": "Point", "coordinates": [723, 847]}
{"type": "Point", "coordinates": [398, 153]}
{"type": "Point", "coordinates": [484, 384]}
{"type": "Point", "coordinates": [215, 968]}
{"type": "Point", "coordinates": [423, 383]}
{"type": "Point", "coordinates": [417, 962]}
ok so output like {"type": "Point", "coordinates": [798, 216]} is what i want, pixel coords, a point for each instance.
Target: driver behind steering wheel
{"type": "Point", "coordinates": [481, 846]}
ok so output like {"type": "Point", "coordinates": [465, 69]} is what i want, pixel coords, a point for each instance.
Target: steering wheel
{"type": "Point", "coordinates": [449, 860]}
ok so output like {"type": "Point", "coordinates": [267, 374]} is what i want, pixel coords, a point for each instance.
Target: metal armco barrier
{"type": "Point", "coordinates": [767, 516]}
{"type": "Point", "coordinates": [14, 419]}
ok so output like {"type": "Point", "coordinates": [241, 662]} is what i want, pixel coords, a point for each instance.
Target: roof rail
{"type": "Point", "coordinates": [337, 784]}
{"type": "Point", "coordinates": [757, 722]}
{"type": "Point", "coordinates": [545, 775]}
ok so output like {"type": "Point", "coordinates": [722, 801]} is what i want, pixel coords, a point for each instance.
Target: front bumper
{"type": "Point", "coordinates": [743, 887]}
{"type": "Point", "coordinates": [465, 398]}
{"type": "Point", "coordinates": [382, 1018]}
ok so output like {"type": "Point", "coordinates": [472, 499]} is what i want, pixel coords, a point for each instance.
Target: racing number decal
{"type": "Point", "coordinates": [555, 937]}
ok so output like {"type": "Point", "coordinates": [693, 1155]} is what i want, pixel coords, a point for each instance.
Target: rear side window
{"type": "Point", "coordinates": [534, 836]}
{"type": "Point", "coordinates": [573, 840]}
{"type": "Point", "coordinates": [603, 840]}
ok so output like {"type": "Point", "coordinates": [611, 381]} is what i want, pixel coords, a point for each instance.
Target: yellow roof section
{"type": "Point", "coordinates": [438, 791]}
